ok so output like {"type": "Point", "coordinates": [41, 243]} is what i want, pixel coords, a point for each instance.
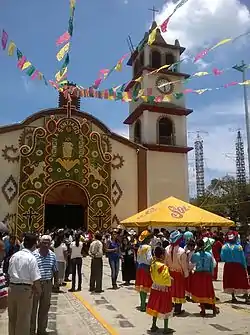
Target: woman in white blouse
{"type": "Point", "coordinates": [76, 262]}
{"type": "Point", "coordinates": [60, 249]}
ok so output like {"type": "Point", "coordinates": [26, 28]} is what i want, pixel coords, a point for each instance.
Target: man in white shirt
{"type": "Point", "coordinates": [24, 277]}
{"type": "Point", "coordinates": [96, 253]}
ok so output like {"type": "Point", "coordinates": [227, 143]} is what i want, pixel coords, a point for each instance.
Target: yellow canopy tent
{"type": "Point", "coordinates": [175, 212]}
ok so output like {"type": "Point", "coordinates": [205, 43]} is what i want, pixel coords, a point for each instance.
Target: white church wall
{"type": "Point", "coordinates": [9, 175]}
{"type": "Point", "coordinates": [167, 176]}
{"type": "Point", "coordinates": [124, 193]}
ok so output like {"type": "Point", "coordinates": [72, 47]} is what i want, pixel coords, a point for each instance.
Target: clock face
{"type": "Point", "coordinates": [164, 86]}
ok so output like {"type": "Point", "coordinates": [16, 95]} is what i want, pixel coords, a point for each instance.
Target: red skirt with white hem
{"type": "Point", "coordinates": [160, 303]}
{"type": "Point", "coordinates": [235, 279]}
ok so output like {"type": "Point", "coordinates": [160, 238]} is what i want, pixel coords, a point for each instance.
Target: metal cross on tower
{"type": "Point", "coordinates": [30, 215]}
{"type": "Point", "coordinates": [154, 10]}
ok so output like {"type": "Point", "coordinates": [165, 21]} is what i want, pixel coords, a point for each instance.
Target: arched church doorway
{"type": "Point", "coordinates": [66, 205]}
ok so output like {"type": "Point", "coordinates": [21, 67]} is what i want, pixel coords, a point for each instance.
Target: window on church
{"type": "Point", "coordinates": [166, 132]}
{"type": "Point", "coordinates": [155, 59]}
{"type": "Point", "coordinates": [137, 132]}
{"type": "Point", "coordinates": [170, 59]}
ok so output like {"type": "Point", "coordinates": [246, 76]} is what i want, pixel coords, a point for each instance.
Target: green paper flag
{"type": "Point", "coordinates": [65, 64]}
{"type": "Point", "coordinates": [178, 95]}
{"type": "Point", "coordinates": [151, 99]}
{"type": "Point", "coordinates": [118, 96]}
{"type": "Point", "coordinates": [31, 70]}
{"type": "Point", "coordinates": [71, 28]}
{"type": "Point", "coordinates": [19, 54]}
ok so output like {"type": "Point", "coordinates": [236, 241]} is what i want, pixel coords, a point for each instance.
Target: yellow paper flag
{"type": "Point", "coordinates": [118, 66]}
{"type": "Point", "coordinates": [200, 74]}
{"type": "Point", "coordinates": [59, 76]}
{"type": "Point", "coordinates": [11, 48]}
{"type": "Point", "coordinates": [61, 53]}
{"type": "Point", "coordinates": [163, 67]}
{"type": "Point", "coordinates": [72, 3]}
{"type": "Point", "coordinates": [166, 98]}
{"type": "Point", "coordinates": [138, 80]}
{"type": "Point", "coordinates": [152, 36]}
{"type": "Point", "coordinates": [26, 65]}
{"type": "Point", "coordinates": [246, 82]}
{"type": "Point", "coordinates": [221, 43]}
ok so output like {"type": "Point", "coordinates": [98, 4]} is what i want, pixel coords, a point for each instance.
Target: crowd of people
{"type": "Point", "coordinates": [170, 267]}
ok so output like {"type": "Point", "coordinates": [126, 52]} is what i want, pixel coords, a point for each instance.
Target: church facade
{"type": "Point", "coordinates": [62, 156]}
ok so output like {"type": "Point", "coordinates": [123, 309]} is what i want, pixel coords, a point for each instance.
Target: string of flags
{"type": "Point", "coordinates": [145, 95]}
{"type": "Point", "coordinates": [105, 73]}
{"type": "Point", "coordinates": [63, 53]}
{"type": "Point", "coordinates": [164, 26]}
{"type": "Point", "coordinates": [23, 63]}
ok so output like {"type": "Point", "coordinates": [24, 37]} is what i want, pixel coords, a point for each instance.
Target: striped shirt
{"type": "Point", "coordinates": [47, 265]}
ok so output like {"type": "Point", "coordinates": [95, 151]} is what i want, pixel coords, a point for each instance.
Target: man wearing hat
{"type": "Point", "coordinates": [143, 280]}
{"type": "Point", "coordinates": [235, 263]}
{"type": "Point", "coordinates": [176, 260]}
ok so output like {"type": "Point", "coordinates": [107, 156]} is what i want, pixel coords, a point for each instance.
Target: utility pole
{"type": "Point", "coordinates": [242, 68]}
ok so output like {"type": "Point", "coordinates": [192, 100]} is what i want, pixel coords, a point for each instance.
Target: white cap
{"type": "Point", "coordinates": [46, 238]}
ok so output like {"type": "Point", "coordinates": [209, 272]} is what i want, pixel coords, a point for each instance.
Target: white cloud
{"type": "Point", "coordinates": [203, 22]}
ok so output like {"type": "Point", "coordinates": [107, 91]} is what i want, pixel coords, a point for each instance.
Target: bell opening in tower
{"type": "Point", "coordinates": [64, 216]}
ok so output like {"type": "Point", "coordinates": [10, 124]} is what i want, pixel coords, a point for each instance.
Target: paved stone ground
{"type": "Point", "coordinates": [117, 313]}
{"type": "Point", "coordinates": [67, 316]}
{"type": "Point", "coordinates": [118, 308]}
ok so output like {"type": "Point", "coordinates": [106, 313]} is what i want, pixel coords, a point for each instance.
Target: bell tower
{"type": "Point", "coordinates": [157, 114]}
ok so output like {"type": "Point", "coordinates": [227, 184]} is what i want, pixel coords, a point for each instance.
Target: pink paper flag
{"type": "Point", "coordinates": [4, 39]}
{"type": "Point", "coordinates": [21, 62]}
{"type": "Point", "coordinates": [63, 38]}
{"type": "Point", "coordinates": [233, 83]}
{"type": "Point", "coordinates": [217, 72]}
{"type": "Point", "coordinates": [104, 72]}
{"type": "Point", "coordinates": [188, 90]}
{"type": "Point", "coordinates": [97, 83]}
{"type": "Point", "coordinates": [35, 75]}
{"type": "Point", "coordinates": [200, 55]}
{"type": "Point", "coordinates": [159, 98]}
{"type": "Point", "coordinates": [164, 25]}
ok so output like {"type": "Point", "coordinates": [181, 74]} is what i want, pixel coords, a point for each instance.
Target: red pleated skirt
{"type": "Point", "coordinates": [178, 287]}
{"type": "Point", "coordinates": [143, 281]}
{"type": "Point", "coordinates": [202, 289]}
{"type": "Point", "coordinates": [160, 304]}
{"type": "Point", "coordinates": [188, 284]}
{"type": "Point", "coordinates": [235, 279]}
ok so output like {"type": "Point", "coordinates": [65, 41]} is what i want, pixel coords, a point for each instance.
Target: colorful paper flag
{"type": "Point", "coordinates": [222, 42]}
{"type": "Point", "coordinates": [63, 38]}
{"type": "Point", "coordinates": [19, 54]}
{"type": "Point", "coordinates": [21, 62]}
{"type": "Point", "coordinates": [217, 72]}
{"type": "Point", "coordinates": [11, 48]}
{"type": "Point", "coordinates": [200, 74]}
{"type": "Point", "coordinates": [71, 27]}
{"type": "Point", "coordinates": [60, 76]}
{"type": "Point", "coordinates": [164, 25]}
{"type": "Point", "coordinates": [35, 74]}
{"type": "Point", "coordinates": [31, 70]}
{"type": "Point", "coordinates": [4, 39]}
{"type": "Point", "coordinates": [152, 36]}
{"type": "Point", "coordinates": [201, 54]}
{"type": "Point", "coordinates": [61, 53]}
{"type": "Point", "coordinates": [26, 65]}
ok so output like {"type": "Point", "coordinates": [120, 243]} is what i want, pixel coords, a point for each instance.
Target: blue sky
{"type": "Point", "coordinates": [99, 40]}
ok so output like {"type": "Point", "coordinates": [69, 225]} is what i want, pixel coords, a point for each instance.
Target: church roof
{"type": "Point", "coordinates": [159, 41]}
{"type": "Point", "coordinates": [60, 111]}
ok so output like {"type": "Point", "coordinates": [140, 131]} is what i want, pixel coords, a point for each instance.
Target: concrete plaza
{"type": "Point", "coordinates": [115, 312]}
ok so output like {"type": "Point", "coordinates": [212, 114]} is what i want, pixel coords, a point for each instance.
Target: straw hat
{"type": "Point", "coordinates": [145, 234]}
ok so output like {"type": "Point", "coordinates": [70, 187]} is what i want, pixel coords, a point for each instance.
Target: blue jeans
{"type": "Point", "coordinates": [114, 266]}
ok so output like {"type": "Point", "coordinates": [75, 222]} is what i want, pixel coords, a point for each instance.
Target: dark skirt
{"type": "Point", "coordinates": [128, 269]}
